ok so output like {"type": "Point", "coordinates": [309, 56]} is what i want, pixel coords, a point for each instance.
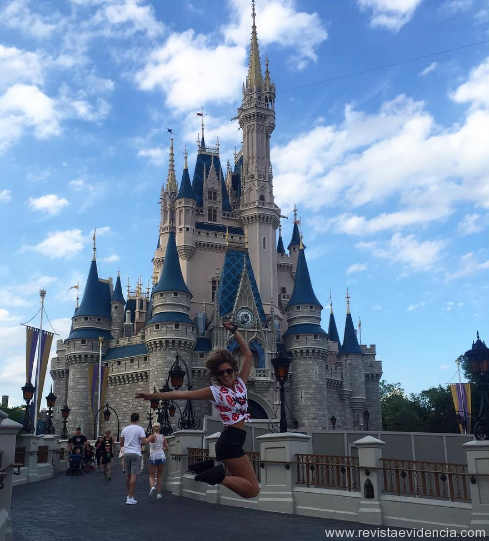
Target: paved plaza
{"type": "Point", "coordinates": [87, 508]}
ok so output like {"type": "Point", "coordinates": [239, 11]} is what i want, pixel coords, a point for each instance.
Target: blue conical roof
{"type": "Point", "coordinates": [280, 245]}
{"type": "Point", "coordinates": [296, 237]}
{"type": "Point", "coordinates": [303, 292]}
{"type": "Point", "coordinates": [171, 278]}
{"type": "Point", "coordinates": [204, 161]}
{"type": "Point", "coordinates": [96, 297]}
{"type": "Point", "coordinates": [350, 342]}
{"type": "Point", "coordinates": [117, 295]}
{"type": "Point", "coordinates": [332, 330]}
{"type": "Point", "coordinates": [185, 191]}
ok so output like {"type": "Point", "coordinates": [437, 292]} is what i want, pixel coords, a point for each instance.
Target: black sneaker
{"type": "Point", "coordinates": [200, 467]}
{"type": "Point", "coordinates": [213, 476]}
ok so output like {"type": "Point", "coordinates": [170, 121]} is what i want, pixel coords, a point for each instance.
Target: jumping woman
{"type": "Point", "coordinates": [229, 395]}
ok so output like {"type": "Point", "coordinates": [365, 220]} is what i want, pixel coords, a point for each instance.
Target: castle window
{"type": "Point", "coordinates": [176, 327]}
{"type": "Point", "coordinates": [175, 294]}
{"type": "Point", "coordinates": [264, 243]}
{"type": "Point", "coordinates": [214, 286]}
{"type": "Point", "coordinates": [201, 355]}
{"type": "Point", "coordinates": [316, 337]}
{"type": "Point", "coordinates": [132, 361]}
{"type": "Point", "coordinates": [311, 307]}
{"type": "Point", "coordinates": [115, 307]}
{"type": "Point", "coordinates": [83, 342]}
{"type": "Point", "coordinates": [297, 337]}
{"type": "Point", "coordinates": [85, 319]}
{"type": "Point", "coordinates": [283, 290]}
{"type": "Point", "coordinates": [118, 363]}
{"type": "Point", "coordinates": [212, 215]}
{"type": "Point", "coordinates": [161, 295]}
{"type": "Point", "coordinates": [106, 365]}
{"type": "Point", "coordinates": [157, 327]}
{"type": "Point", "coordinates": [99, 319]}
{"type": "Point", "coordinates": [262, 197]}
{"type": "Point", "coordinates": [297, 308]}
{"type": "Point", "coordinates": [212, 195]}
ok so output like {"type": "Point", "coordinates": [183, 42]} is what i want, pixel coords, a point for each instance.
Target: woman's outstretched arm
{"type": "Point", "coordinates": [245, 352]}
{"type": "Point", "coordinates": [199, 394]}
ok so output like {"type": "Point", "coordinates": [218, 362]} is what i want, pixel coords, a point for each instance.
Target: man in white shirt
{"type": "Point", "coordinates": [132, 437]}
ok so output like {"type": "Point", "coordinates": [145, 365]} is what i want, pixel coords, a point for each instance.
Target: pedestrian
{"type": "Point", "coordinates": [77, 440]}
{"type": "Point", "coordinates": [229, 395]}
{"type": "Point", "coordinates": [132, 437]}
{"type": "Point", "coordinates": [107, 453]}
{"type": "Point", "coordinates": [157, 458]}
{"type": "Point", "coordinates": [98, 453]}
{"type": "Point", "coordinates": [88, 456]}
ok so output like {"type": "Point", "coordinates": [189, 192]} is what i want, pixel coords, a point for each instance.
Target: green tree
{"type": "Point", "coordinates": [436, 409]}
{"type": "Point", "coordinates": [16, 414]}
{"type": "Point", "coordinates": [398, 411]}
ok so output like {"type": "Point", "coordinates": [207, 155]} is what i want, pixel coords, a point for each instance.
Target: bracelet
{"type": "Point", "coordinates": [233, 329]}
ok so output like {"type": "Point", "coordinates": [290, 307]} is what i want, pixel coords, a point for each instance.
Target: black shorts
{"type": "Point", "coordinates": [230, 443]}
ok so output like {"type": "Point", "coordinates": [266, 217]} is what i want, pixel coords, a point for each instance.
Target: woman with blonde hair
{"type": "Point", "coordinates": [228, 393]}
{"type": "Point", "coordinates": [157, 447]}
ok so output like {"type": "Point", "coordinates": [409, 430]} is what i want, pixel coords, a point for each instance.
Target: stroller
{"type": "Point", "coordinates": [75, 461]}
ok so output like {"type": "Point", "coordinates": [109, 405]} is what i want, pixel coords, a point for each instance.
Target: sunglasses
{"type": "Point", "coordinates": [228, 371]}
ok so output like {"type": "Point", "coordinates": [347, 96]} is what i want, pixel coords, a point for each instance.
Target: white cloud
{"type": "Point", "coordinates": [475, 89]}
{"type": "Point", "coordinates": [94, 192]}
{"type": "Point", "coordinates": [389, 14]}
{"type": "Point", "coordinates": [60, 244]}
{"type": "Point", "coordinates": [7, 317]}
{"type": "Point", "coordinates": [278, 22]}
{"type": "Point", "coordinates": [19, 66]}
{"type": "Point", "coordinates": [131, 17]}
{"type": "Point", "coordinates": [418, 256]}
{"type": "Point", "coordinates": [111, 258]}
{"type": "Point", "coordinates": [429, 69]}
{"type": "Point", "coordinates": [356, 267]}
{"type": "Point", "coordinates": [51, 204]}
{"type": "Point", "coordinates": [156, 156]}
{"type": "Point", "coordinates": [413, 307]}
{"type": "Point", "coordinates": [181, 69]}
{"type": "Point", "coordinates": [25, 107]}
{"type": "Point", "coordinates": [17, 15]}
{"type": "Point", "coordinates": [5, 196]}
{"type": "Point", "coordinates": [444, 366]}
{"type": "Point", "coordinates": [468, 267]}
{"type": "Point", "coordinates": [472, 223]}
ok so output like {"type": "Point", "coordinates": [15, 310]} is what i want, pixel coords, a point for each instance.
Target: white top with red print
{"type": "Point", "coordinates": [232, 404]}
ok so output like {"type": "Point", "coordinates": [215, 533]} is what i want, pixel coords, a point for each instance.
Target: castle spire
{"type": "Point", "coordinates": [185, 191]}
{"type": "Point", "coordinates": [296, 236]}
{"type": "Point", "coordinates": [347, 302]}
{"type": "Point", "coordinates": [171, 278]}
{"type": "Point", "coordinates": [94, 247]}
{"type": "Point", "coordinates": [117, 296]}
{"type": "Point", "coordinates": [280, 244]}
{"type": "Point", "coordinates": [303, 292]}
{"type": "Point", "coordinates": [254, 79]}
{"type": "Point", "coordinates": [350, 341]}
{"type": "Point", "coordinates": [171, 182]}
{"type": "Point", "coordinates": [332, 329]}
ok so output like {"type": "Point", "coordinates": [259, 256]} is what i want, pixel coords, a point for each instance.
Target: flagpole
{"type": "Point", "coordinates": [100, 342]}
{"type": "Point", "coordinates": [42, 293]}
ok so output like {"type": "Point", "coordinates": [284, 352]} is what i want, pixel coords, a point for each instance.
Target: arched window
{"type": "Point", "coordinates": [214, 287]}
{"type": "Point", "coordinates": [264, 243]}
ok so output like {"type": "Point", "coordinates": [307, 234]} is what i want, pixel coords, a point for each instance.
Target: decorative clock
{"type": "Point", "coordinates": [245, 317]}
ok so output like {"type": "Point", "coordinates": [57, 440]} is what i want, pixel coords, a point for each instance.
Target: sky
{"type": "Point", "coordinates": [389, 167]}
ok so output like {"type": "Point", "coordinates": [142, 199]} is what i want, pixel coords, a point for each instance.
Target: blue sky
{"type": "Point", "coordinates": [389, 169]}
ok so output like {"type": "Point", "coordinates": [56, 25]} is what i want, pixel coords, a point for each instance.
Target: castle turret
{"type": "Point", "coordinates": [92, 320]}
{"type": "Point", "coordinates": [185, 210]}
{"type": "Point", "coordinates": [332, 330]}
{"type": "Point", "coordinates": [351, 357]}
{"type": "Point", "coordinates": [258, 211]}
{"type": "Point", "coordinates": [170, 329]}
{"type": "Point", "coordinates": [307, 342]}
{"type": "Point", "coordinates": [280, 244]}
{"type": "Point", "coordinates": [117, 304]}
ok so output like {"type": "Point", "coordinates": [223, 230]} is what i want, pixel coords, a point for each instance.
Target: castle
{"type": "Point", "coordinates": [218, 258]}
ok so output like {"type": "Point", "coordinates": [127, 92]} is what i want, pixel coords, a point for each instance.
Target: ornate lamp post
{"type": "Point", "coordinates": [65, 412]}
{"type": "Point", "coordinates": [163, 417]}
{"type": "Point", "coordinates": [107, 411]}
{"type": "Point", "coordinates": [366, 417]}
{"type": "Point", "coordinates": [154, 405]}
{"type": "Point", "coordinates": [281, 365]}
{"type": "Point", "coordinates": [28, 392]}
{"type": "Point", "coordinates": [478, 357]}
{"type": "Point", "coordinates": [51, 401]}
{"type": "Point", "coordinates": [333, 421]}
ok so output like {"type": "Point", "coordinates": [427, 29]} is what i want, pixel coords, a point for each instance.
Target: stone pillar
{"type": "Point", "coordinates": [51, 441]}
{"type": "Point", "coordinates": [179, 443]}
{"type": "Point", "coordinates": [8, 433]}
{"type": "Point", "coordinates": [369, 455]}
{"type": "Point", "coordinates": [277, 482]}
{"type": "Point", "coordinates": [478, 462]}
{"type": "Point", "coordinates": [211, 442]}
{"type": "Point", "coordinates": [31, 443]}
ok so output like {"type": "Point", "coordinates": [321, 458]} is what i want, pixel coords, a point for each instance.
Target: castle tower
{"type": "Point", "coordinates": [351, 357]}
{"type": "Point", "coordinates": [91, 321]}
{"type": "Point", "coordinates": [307, 342]}
{"type": "Point", "coordinates": [117, 304]}
{"type": "Point", "coordinates": [257, 210]}
{"type": "Point", "coordinates": [295, 241]}
{"type": "Point", "coordinates": [170, 329]}
{"type": "Point", "coordinates": [185, 214]}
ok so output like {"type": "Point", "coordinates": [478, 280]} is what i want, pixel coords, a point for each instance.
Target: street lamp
{"type": "Point", "coordinates": [106, 412]}
{"type": "Point", "coordinates": [51, 401]}
{"type": "Point", "coordinates": [154, 405]}
{"type": "Point", "coordinates": [333, 421]}
{"type": "Point", "coordinates": [478, 357]}
{"type": "Point", "coordinates": [366, 417]}
{"type": "Point", "coordinates": [65, 412]}
{"type": "Point", "coordinates": [28, 392]}
{"type": "Point", "coordinates": [281, 365]}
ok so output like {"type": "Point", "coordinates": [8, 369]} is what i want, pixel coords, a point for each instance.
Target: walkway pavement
{"type": "Point", "coordinates": [87, 508]}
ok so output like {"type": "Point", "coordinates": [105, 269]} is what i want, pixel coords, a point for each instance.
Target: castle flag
{"type": "Point", "coordinates": [32, 335]}
{"type": "Point", "coordinates": [46, 342]}
{"type": "Point", "coordinates": [92, 388]}
{"type": "Point", "coordinates": [461, 395]}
